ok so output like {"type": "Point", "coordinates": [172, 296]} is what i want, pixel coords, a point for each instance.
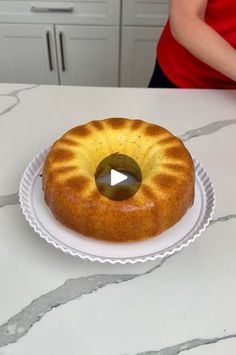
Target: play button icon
{"type": "Point", "coordinates": [118, 177]}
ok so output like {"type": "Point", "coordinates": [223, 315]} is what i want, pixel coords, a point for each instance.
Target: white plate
{"type": "Point", "coordinates": [174, 239]}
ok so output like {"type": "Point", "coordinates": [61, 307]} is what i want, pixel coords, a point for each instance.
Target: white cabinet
{"type": "Point", "coordinates": [78, 12]}
{"type": "Point", "coordinates": [145, 12]}
{"type": "Point", "coordinates": [63, 42]}
{"type": "Point", "coordinates": [69, 55]}
{"type": "Point", "coordinates": [88, 55]}
{"type": "Point", "coordinates": [27, 54]}
{"type": "Point", "coordinates": [80, 42]}
{"type": "Point", "coordinates": [142, 25]}
{"type": "Point", "coordinates": [138, 55]}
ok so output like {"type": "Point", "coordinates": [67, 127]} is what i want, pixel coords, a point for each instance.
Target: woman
{"type": "Point", "coordinates": [197, 48]}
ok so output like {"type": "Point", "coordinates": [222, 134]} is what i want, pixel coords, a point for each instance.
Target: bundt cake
{"type": "Point", "coordinates": [164, 196]}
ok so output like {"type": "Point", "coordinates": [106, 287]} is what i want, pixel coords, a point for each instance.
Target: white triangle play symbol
{"type": "Point", "coordinates": [117, 177]}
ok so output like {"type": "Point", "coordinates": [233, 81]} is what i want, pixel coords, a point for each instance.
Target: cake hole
{"type": "Point", "coordinates": [118, 177]}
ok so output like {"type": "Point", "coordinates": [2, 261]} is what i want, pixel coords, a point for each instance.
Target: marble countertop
{"type": "Point", "coordinates": [52, 303]}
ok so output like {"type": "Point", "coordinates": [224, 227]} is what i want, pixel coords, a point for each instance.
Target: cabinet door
{"type": "Point", "coordinates": [145, 13]}
{"type": "Point", "coordinates": [138, 55]}
{"type": "Point", "coordinates": [27, 54]}
{"type": "Point", "coordinates": [88, 55]}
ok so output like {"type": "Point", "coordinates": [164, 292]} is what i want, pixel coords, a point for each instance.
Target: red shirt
{"type": "Point", "coordinates": [185, 70]}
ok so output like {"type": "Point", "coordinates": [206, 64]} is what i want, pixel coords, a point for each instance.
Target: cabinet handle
{"type": "Point", "coordinates": [49, 51]}
{"type": "Point", "coordinates": [67, 9]}
{"type": "Point", "coordinates": [62, 52]}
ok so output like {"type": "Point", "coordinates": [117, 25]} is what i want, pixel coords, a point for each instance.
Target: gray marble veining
{"type": "Point", "coordinates": [72, 289]}
{"type": "Point", "coordinates": [222, 219]}
{"type": "Point", "coordinates": [7, 200]}
{"type": "Point", "coordinates": [19, 325]}
{"type": "Point", "coordinates": [187, 345]}
{"type": "Point", "coordinates": [15, 95]}
{"type": "Point", "coordinates": [206, 130]}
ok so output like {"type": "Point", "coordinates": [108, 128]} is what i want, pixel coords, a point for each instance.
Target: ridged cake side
{"type": "Point", "coordinates": [166, 192]}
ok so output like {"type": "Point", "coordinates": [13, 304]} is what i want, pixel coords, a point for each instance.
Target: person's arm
{"type": "Point", "coordinates": [189, 29]}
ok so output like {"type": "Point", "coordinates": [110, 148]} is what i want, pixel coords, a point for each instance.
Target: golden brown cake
{"type": "Point", "coordinates": [165, 194]}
